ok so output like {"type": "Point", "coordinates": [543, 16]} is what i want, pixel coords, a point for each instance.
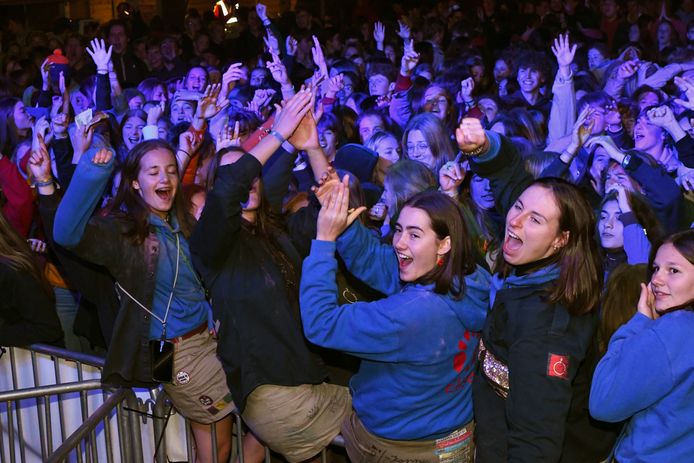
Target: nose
{"type": "Point", "coordinates": [515, 220]}
{"type": "Point", "coordinates": [609, 223]}
{"type": "Point", "coordinates": [657, 279]}
{"type": "Point", "coordinates": [400, 242]}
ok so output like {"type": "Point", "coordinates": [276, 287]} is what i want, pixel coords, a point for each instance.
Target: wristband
{"type": "Point", "coordinates": [41, 183]}
{"type": "Point", "coordinates": [479, 150]}
{"type": "Point", "coordinates": [626, 160]}
{"type": "Point", "coordinates": [266, 22]}
{"type": "Point", "coordinates": [278, 136]}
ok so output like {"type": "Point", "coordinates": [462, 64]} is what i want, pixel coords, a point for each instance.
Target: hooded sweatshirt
{"type": "Point", "coordinates": [417, 346]}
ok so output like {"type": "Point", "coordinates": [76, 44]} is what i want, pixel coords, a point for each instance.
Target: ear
{"type": "Point", "coordinates": [391, 87]}
{"type": "Point", "coordinates": [136, 185]}
{"type": "Point", "coordinates": [444, 246]}
{"type": "Point", "coordinates": [561, 240]}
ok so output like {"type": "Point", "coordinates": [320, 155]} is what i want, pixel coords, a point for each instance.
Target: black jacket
{"type": "Point", "coordinates": [134, 267]}
{"type": "Point", "coordinates": [27, 314]}
{"type": "Point", "coordinates": [529, 335]}
{"type": "Point", "coordinates": [261, 339]}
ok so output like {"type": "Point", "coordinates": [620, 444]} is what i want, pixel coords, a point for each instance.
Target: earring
{"type": "Point", "coordinates": [439, 261]}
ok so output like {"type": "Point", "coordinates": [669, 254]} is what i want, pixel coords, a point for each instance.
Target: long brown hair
{"type": "Point", "coordinates": [15, 253]}
{"type": "Point", "coordinates": [130, 205]}
{"type": "Point", "coordinates": [447, 220]}
{"type": "Point", "coordinates": [580, 267]}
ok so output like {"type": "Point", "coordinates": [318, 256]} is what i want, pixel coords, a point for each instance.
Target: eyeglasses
{"type": "Point", "coordinates": [440, 101]}
{"type": "Point", "coordinates": [418, 147]}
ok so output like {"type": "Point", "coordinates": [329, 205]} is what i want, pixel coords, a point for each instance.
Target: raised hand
{"type": "Point", "coordinates": [608, 145]}
{"type": "Point", "coordinates": [209, 106]}
{"type": "Point", "coordinates": [188, 143]}
{"type": "Point", "coordinates": [232, 75]}
{"type": "Point", "coordinates": [326, 183]}
{"type": "Point", "coordinates": [155, 112]}
{"type": "Point", "coordinates": [100, 54]}
{"type": "Point", "coordinates": [81, 139]}
{"type": "Point", "coordinates": [261, 11]}
{"type": "Point", "coordinates": [404, 31]}
{"type": "Point", "coordinates": [466, 88]}
{"type": "Point", "coordinates": [272, 44]}
{"type": "Point", "coordinates": [409, 59]}
{"type": "Point", "coordinates": [319, 58]}
{"type": "Point", "coordinates": [471, 136]}
{"type": "Point", "coordinates": [292, 45]}
{"type": "Point", "coordinates": [103, 156]}
{"type": "Point", "coordinates": [335, 216]}
{"type": "Point", "coordinates": [581, 131]}
{"type": "Point", "coordinates": [646, 305]}
{"type": "Point", "coordinates": [335, 84]}
{"type": "Point", "coordinates": [564, 53]}
{"type": "Point", "coordinates": [289, 116]}
{"type": "Point", "coordinates": [40, 163]}
{"type": "Point", "coordinates": [627, 69]}
{"type": "Point", "coordinates": [661, 116]}
{"type": "Point", "coordinates": [278, 70]}
{"type": "Point", "coordinates": [262, 96]}
{"type": "Point", "coordinates": [451, 177]}
{"type": "Point", "coordinates": [379, 35]}
{"type": "Point", "coordinates": [228, 136]}
{"type": "Point", "coordinates": [45, 74]}
{"type": "Point", "coordinates": [686, 85]}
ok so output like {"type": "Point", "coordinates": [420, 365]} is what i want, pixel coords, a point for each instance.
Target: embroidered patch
{"type": "Point", "coordinates": [182, 377]}
{"type": "Point", "coordinates": [558, 366]}
{"type": "Point", "coordinates": [213, 410]}
{"type": "Point", "coordinates": [205, 400]}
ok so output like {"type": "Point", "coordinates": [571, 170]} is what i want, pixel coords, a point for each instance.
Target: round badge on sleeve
{"type": "Point", "coordinates": [182, 377]}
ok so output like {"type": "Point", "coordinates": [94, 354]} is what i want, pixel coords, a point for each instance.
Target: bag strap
{"type": "Point", "coordinates": [168, 304]}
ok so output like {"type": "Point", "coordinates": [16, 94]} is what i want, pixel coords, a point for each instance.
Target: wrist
{"type": "Point", "coordinates": [324, 237]}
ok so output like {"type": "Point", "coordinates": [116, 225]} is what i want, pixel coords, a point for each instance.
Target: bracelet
{"type": "Point", "coordinates": [184, 152]}
{"type": "Point", "coordinates": [278, 136]}
{"type": "Point", "coordinates": [626, 160]}
{"type": "Point", "coordinates": [479, 150]}
{"type": "Point", "coordinates": [42, 183]}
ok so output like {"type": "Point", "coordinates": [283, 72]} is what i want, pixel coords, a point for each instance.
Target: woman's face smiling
{"type": "Point", "coordinates": [673, 278]}
{"type": "Point", "coordinates": [132, 132]}
{"type": "Point", "coordinates": [157, 180]}
{"type": "Point", "coordinates": [416, 244]}
{"type": "Point", "coordinates": [532, 227]}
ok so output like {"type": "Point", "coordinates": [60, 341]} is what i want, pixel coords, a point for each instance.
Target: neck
{"type": "Point", "coordinates": [532, 267]}
{"type": "Point", "coordinates": [249, 216]}
{"type": "Point", "coordinates": [532, 96]}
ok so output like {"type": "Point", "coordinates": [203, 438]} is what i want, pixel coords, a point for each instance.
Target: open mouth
{"type": "Point", "coordinates": [134, 140]}
{"type": "Point", "coordinates": [165, 194]}
{"type": "Point", "coordinates": [403, 260]}
{"type": "Point", "coordinates": [512, 243]}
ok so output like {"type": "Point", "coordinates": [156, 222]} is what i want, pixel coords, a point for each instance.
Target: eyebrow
{"type": "Point", "coordinates": [533, 212]}
{"type": "Point", "coordinates": [410, 227]}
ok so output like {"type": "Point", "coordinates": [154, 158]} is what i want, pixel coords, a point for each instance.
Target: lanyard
{"type": "Point", "coordinates": [168, 305]}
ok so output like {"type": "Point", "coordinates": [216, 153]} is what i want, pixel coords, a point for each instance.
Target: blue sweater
{"type": "Point", "coordinates": [418, 347]}
{"type": "Point", "coordinates": [648, 375]}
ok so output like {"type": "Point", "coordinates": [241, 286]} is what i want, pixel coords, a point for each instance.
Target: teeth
{"type": "Point", "coordinates": [513, 235]}
{"type": "Point", "coordinates": [404, 257]}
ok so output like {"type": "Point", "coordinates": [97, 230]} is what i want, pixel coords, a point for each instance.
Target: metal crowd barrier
{"type": "Point", "coordinates": [53, 408]}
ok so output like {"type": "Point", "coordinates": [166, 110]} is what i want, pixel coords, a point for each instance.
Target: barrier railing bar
{"type": "Point", "coordinates": [134, 423]}
{"type": "Point", "coordinates": [10, 431]}
{"type": "Point", "coordinates": [20, 428]}
{"type": "Point", "coordinates": [107, 432]}
{"type": "Point", "coordinates": [189, 441]}
{"type": "Point", "coordinates": [123, 439]}
{"type": "Point", "coordinates": [61, 410]}
{"type": "Point", "coordinates": [2, 443]}
{"type": "Point", "coordinates": [87, 359]}
{"type": "Point", "coordinates": [39, 409]}
{"type": "Point", "coordinates": [54, 389]}
{"type": "Point", "coordinates": [239, 436]}
{"type": "Point", "coordinates": [102, 412]}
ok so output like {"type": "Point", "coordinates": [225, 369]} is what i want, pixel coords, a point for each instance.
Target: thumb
{"type": "Point", "coordinates": [352, 216]}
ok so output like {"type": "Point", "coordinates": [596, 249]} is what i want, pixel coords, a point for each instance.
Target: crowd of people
{"type": "Point", "coordinates": [449, 233]}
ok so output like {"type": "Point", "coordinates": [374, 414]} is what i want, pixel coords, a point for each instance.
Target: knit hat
{"type": "Point", "coordinates": [57, 63]}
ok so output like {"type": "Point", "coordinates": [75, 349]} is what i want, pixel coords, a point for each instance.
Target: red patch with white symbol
{"type": "Point", "coordinates": [558, 366]}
